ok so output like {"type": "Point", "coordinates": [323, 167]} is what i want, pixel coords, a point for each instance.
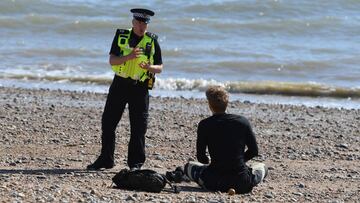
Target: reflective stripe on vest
{"type": "Point", "coordinates": [131, 67]}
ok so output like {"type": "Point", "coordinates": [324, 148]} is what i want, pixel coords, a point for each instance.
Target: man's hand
{"type": "Point", "coordinates": [135, 53]}
{"type": "Point", "coordinates": [145, 65]}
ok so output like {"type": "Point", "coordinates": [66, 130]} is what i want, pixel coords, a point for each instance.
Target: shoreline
{"type": "Point", "coordinates": [49, 136]}
{"type": "Point", "coordinates": [308, 101]}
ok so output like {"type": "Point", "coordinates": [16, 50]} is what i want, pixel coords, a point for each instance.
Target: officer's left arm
{"type": "Point", "coordinates": [151, 68]}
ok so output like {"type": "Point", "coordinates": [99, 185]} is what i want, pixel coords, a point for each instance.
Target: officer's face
{"type": "Point", "coordinates": [139, 27]}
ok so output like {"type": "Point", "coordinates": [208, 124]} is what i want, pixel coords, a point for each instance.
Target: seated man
{"type": "Point", "coordinates": [225, 136]}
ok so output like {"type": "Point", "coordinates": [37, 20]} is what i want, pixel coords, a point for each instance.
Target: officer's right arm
{"type": "Point", "coordinates": [114, 54]}
{"type": "Point", "coordinates": [118, 60]}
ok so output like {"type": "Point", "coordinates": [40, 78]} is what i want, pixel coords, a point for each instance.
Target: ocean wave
{"type": "Point", "coordinates": [101, 80]}
{"type": "Point", "coordinates": [262, 87]}
{"type": "Point", "coordinates": [182, 84]}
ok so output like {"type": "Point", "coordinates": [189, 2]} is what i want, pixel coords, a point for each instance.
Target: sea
{"type": "Point", "coordinates": [263, 51]}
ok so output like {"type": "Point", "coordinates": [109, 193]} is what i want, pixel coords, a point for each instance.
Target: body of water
{"type": "Point", "coordinates": [289, 48]}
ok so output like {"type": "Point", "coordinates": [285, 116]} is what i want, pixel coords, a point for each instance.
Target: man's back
{"type": "Point", "coordinates": [226, 136]}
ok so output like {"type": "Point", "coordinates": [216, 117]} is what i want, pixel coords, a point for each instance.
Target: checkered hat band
{"type": "Point", "coordinates": [141, 15]}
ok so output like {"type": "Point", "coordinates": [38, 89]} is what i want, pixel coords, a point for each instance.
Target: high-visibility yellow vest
{"type": "Point", "coordinates": [131, 68]}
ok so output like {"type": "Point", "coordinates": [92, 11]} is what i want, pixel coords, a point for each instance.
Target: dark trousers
{"type": "Point", "coordinates": [121, 92]}
{"type": "Point", "coordinates": [209, 179]}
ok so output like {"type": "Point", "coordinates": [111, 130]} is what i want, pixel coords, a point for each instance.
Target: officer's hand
{"type": "Point", "coordinates": [144, 65]}
{"type": "Point", "coordinates": [135, 53]}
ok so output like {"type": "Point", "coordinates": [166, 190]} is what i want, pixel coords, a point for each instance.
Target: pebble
{"type": "Point", "coordinates": [15, 194]}
{"type": "Point", "coordinates": [41, 177]}
{"type": "Point", "coordinates": [344, 146]}
{"type": "Point", "coordinates": [269, 195]}
{"type": "Point", "coordinates": [159, 157]}
{"type": "Point", "coordinates": [297, 193]}
{"type": "Point", "coordinates": [131, 198]}
{"type": "Point", "coordinates": [93, 192]}
{"type": "Point", "coordinates": [301, 185]}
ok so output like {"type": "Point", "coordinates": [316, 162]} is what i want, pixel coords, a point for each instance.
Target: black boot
{"type": "Point", "coordinates": [101, 163]}
{"type": "Point", "coordinates": [177, 176]}
{"type": "Point", "coordinates": [106, 158]}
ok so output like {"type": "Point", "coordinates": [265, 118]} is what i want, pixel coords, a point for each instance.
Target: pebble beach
{"type": "Point", "coordinates": [48, 137]}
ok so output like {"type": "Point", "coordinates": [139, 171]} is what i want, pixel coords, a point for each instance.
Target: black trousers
{"type": "Point", "coordinates": [242, 182]}
{"type": "Point", "coordinates": [121, 92]}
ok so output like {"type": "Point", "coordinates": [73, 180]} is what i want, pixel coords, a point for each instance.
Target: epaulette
{"type": "Point", "coordinates": [152, 35]}
{"type": "Point", "coordinates": [123, 31]}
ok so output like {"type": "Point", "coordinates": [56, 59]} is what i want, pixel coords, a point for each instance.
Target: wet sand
{"type": "Point", "coordinates": [48, 138]}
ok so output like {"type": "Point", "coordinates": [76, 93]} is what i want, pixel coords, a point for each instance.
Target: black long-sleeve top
{"type": "Point", "coordinates": [225, 136]}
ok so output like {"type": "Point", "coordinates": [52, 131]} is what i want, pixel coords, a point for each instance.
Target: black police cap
{"type": "Point", "coordinates": [142, 14]}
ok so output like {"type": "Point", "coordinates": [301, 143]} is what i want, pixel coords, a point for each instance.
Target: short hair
{"type": "Point", "coordinates": [218, 98]}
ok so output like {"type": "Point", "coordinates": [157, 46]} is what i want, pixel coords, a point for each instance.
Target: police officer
{"type": "Point", "coordinates": [135, 57]}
